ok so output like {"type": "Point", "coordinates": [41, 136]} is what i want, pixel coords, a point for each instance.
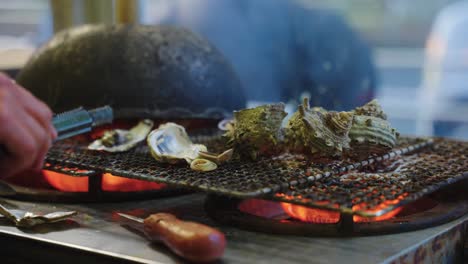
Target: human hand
{"type": "Point", "coordinates": [26, 128]}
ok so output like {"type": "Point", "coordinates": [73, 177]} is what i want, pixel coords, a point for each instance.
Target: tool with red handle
{"type": "Point", "coordinates": [190, 240]}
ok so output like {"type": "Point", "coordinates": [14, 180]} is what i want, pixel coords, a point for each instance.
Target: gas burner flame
{"type": "Point", "coordinates": [311, 215]}
{"type": "Point", "coordinates": [270, 209]}
{"type": "Point", "coordinates": [110, 183]}
{"type": "Point", "coordinates": [323, 216]}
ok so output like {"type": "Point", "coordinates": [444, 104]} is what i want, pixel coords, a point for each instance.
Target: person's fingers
{"type": "Point", "coordinates": [20, 145]}
{"type": "Point", "coordinates": [39, 162]}
{"type": "Point", "coordinates": [41, 136]}
{"type": "Point", "coordinates": [4, 79]}
{"type": "Point", "coordinates": [26, 130]}
{"type": "Point", "coordinates": [33, 106]}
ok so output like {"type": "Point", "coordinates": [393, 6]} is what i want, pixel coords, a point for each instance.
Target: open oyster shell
{"type": "Point", "coordinates": [170, 143]}
{"type": "Point", "coordinates": [23, 218]}
{"type": "Point", "coordinates": [256, 130]}
{"type": "Point", "coordinates": [318, 131]}
{"type": "Point", "coordinates": [119, 140]}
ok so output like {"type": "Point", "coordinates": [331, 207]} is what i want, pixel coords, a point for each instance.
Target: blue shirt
{"type": "Point", "coordinates": [280, 49]}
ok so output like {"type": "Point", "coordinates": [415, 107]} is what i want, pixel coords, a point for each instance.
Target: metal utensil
{"type": "Point", "coordinates": [133, 218]}
{"type": "Point", "coordinates": [75, 122]}
{"type": "Point", "coordinates": [79, 121]}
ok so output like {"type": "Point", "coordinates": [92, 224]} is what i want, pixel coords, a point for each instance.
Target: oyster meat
{"type": "Point", "coordinates": [119, 140]}
{"type": "Point", "coordinates": [256, 131]}
{"type": "Point", "coordinates": [318, 131]}
{"type": "Point", "coordinates": [171, 144]}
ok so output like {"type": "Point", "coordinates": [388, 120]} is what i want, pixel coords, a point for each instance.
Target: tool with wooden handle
{"type": "Point", "coordinates": [75, 122]}
{"type": "Point", "coordinates": [190, 240]}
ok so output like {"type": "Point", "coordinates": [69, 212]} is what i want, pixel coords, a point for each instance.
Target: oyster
{"type": "Point", "coordinates": [372, 108]}
{"type": "Point", "coordinates": [203, 165]}
{"type": "Point", "coordinates": [23, 218]}
{"type": "Point", "coordinates": [119, 140]}
{"type": "Point", "coordinates": [256, 131]}
{"type": "Point", "coordinates": [170, 143]}
{"type": "Point", "coordinates": [371, 135]}
{"type": "Point", "coordinates": [318, 131]}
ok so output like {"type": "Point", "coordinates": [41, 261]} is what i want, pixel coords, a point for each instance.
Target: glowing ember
{"type": "Point", "coordinates": [120, 184]}
{"type": "Point", "coordinates": [323, 216]}
{"type": "Point", "coordinates": [379, 207]}
{"type": "Point", "coordinates": [66, 183]}
{"type": "Point", "coordinates": [311, 215]}
{"type": "Point", "coordinates": [270, 209]}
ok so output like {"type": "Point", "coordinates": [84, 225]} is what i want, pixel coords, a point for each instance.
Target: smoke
{"type": "Point", "coordinates": [280, 49]}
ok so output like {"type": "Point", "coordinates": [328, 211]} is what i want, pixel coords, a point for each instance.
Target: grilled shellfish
{"type": "Point", "coordinates": [372, 108]}
{"type": "Point", "coordinates": [170, 143]}
{"type": "Point", "coordinates": [318, 131]}
{"type": "Point", "coordinates": [256, 131]}
{"type": "Point", "coordinates": [371, 135]}
{"type": "Point", "coordinates": [119, 140]}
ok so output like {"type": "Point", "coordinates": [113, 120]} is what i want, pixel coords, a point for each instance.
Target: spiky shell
{"type": "Point", "coordinates": [371, 135]}
{"type": "Point", "coordinates": [372, 108]}
{"type": "Point", "coordinates": [318, 131]}
{"type": "Point", "coordinates": [256, 130]}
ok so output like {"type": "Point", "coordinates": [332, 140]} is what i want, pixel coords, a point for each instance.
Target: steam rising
{"type": "Point", "coordinates": [280, 49]}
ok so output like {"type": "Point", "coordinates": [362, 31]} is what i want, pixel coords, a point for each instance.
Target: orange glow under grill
{"type": "Point", "coordinates": [322, 216]}
{"type": "Point", "coordinates": [66, 183]}
{"type": "Point", "coordinates": [314, 215]}
{"type": "Point", "coordinates": [311, 215]}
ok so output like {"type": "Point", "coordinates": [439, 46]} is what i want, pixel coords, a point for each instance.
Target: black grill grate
{"type": "Point", "coordinates": [375, 190]}
{"type": "Point", "coordinates": [285, 177]}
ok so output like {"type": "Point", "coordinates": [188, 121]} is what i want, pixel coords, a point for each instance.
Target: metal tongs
{"type": "Point", "coordinates": [67, 124]}
{"type": "Point", "coordinates": [75, 122]}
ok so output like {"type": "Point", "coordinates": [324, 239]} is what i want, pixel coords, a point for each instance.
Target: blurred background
{"type": "Point", "coordinates": [419, 48]}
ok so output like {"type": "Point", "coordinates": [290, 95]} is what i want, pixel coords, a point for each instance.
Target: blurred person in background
{"type": "Point", "coordinates": [281, 50]}
{"type": "Point", "coordinates": [444, 93]}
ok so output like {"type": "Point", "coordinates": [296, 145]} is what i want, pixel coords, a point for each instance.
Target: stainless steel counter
{"type": "Point", "coordinates": [97, 231]}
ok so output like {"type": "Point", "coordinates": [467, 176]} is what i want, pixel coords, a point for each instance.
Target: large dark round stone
{"type": "Point", "coordinates": [142, 71]}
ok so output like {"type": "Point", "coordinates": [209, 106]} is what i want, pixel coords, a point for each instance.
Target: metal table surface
{"type": "Point", "coordinates": [97, 229]}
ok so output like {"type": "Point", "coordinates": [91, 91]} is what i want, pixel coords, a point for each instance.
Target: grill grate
{"type": "Point", "coordinates": [379, 189]}
{"type": "Point", "coordinates": [284, 177]}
